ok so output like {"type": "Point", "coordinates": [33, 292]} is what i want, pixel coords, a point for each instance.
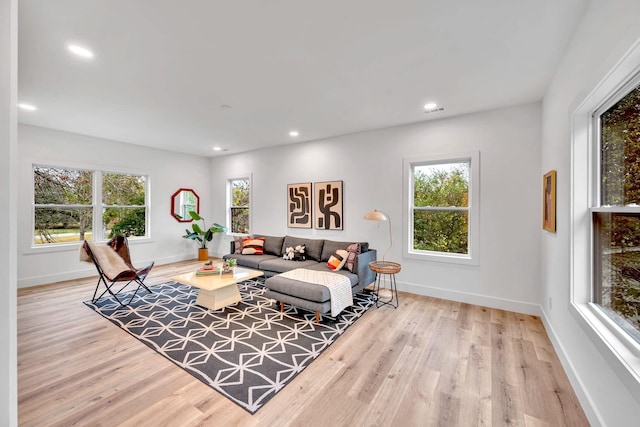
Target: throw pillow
{"type": "Point", "coordinates": [295, 254]}
{"type": "Point", "coordinates": [337, 260]}
{"type": "Point", "coordinates": [253, 246]}
{"type": "Point", "coordinates": [237, 243]}
{"type": "Point", "coordinates": [300, 253]}
{"type": "Point", "coordinates": [354, 251]}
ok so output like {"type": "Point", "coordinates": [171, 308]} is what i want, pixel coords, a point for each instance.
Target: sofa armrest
{"type": "Point", "coordinates": [365, 275]}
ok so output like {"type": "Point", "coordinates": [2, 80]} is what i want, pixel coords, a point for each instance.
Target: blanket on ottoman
{"type": "Point", "coordinates": [339, 286]}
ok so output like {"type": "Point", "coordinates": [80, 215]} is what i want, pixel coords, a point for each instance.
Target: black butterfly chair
{"type": "Point", "coordinates": [113, 262]}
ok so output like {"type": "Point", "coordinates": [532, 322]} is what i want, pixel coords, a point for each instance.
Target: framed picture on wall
{"type": "Point", "coordinates": [549, 201]}
{"type": "Point", "coordinates": [299, 205]}
{"type": "Point", "coordinates": [328, 205]}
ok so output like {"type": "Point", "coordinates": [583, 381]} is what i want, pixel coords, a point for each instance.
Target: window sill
{"type": "Point", "coordinates": [441, 257]}
{"type": "Point", "coordinates": [73, 247]}
{"type": "Point", "coordinates": [621, 353]}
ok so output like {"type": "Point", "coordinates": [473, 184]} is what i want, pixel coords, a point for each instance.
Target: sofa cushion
{"type": "Point", "coordinates": [321, 266]}
{"type": "Point", "coordinates": [250, 261]}
{"type": "Point", "coordinates": [280, 265]}
{"type": "Point", "coordinates": [272, 245]}
{"type": "Point", "coordinates": [313, 246]}
{"type": "Point", "coordinates": [304, 290]}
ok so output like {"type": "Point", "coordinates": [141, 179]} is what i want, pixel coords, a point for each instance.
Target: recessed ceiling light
{"type": "Point", "coordinates": [217, 148]}
{"type": "Point", "coordinates": [294, 133]}
{"type": "Point", "coordinates": [80, 51]}
{"type": "Point", "coordinates": [27, 107]}
{"type": "Point", "coordinates": [430, 106]}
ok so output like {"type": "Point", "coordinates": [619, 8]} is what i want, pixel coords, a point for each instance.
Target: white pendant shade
{"type": "Point", "coordinates": [376, 215]}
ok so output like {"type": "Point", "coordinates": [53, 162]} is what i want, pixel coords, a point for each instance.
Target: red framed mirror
{"type": "Point", "coordinates": [183, 201]}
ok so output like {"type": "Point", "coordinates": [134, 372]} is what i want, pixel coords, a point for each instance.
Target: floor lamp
{"type": "Point", "coordinates": [383, 268]}
{"type": "Point", "coordinates": [376, 215]}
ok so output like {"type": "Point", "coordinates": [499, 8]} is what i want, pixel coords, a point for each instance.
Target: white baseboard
{"type": "Point", "coordinates": [476, 299]}
{"type": "Point", "coordinates": [89, 271]}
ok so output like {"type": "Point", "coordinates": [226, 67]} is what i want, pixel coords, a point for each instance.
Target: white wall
{"type": "Point", "coordinates": [167, 172]}
{"type": "Point", "coordinates": [607, 31]}
{"type": "Point", "coordinates": [8, 215]}
{"type": "Point", "coordinates": [370, 164]}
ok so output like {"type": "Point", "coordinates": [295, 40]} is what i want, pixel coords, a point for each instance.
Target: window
{"type": "Point", "coordinates": [239, 205]}
{"type": "Point", "coordinates": [441, 214]}
{"type": "Point", "coordinates": [605, 218]}
{"type": "Point", "coordinates": [615, 212]}
{"type": "Point", "coordinates": [63, 209]}
{"type": "Point", "coordinates": [70, 205]}
{"type": "Point", "coordinates": [124, 205]}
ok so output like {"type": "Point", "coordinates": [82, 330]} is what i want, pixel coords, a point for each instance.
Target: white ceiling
{"type": "Point", "coordinates": [163, 68]}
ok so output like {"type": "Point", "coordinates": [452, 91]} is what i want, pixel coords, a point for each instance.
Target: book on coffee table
{"type": "Point", "coordinates": [211, 272]}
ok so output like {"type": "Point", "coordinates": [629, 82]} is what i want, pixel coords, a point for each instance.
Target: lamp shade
{"type": "Point", "coordinates": [376, 215]}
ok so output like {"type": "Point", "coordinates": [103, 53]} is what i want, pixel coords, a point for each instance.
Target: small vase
{"type": "Point", "coordinates": [203, 254]}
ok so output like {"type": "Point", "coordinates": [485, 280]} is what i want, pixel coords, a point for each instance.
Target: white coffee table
{"type": "Point", "coordinates": [216, 291]}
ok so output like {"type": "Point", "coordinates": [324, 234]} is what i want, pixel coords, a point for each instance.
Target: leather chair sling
{"type": "Point", "coordinates": [113, 262]}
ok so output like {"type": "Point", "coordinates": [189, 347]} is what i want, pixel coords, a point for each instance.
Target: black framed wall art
{"type": "Point", "coordinates": [328, 205]}
{"type": "Point", "coordinates": [299, 205]}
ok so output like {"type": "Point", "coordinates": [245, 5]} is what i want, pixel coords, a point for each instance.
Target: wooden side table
{"type": "Point", "coordinates": [389, 269]}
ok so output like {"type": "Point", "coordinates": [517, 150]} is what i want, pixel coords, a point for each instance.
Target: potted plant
{"type": "Point", "coordinates": [202, 234]}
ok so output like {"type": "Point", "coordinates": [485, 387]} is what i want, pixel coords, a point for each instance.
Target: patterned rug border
{"type": "Point", "coordinates": [278, 346]}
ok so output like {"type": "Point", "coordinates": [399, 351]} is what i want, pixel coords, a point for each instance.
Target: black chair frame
{"type": "Point", "coordinates": [121, 246]}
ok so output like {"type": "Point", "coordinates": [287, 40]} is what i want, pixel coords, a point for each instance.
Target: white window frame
{"type": "Point", "coordinates": [473, 255]}
{"type": "Point", "coordinates": [620, 350]}
{"type": "Point", "coordinates": [248, 177]}
{"type": "Point", "coordinates": [96, 205]}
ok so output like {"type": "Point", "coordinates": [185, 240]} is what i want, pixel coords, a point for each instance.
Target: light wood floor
{"type": "Point", "coordinates": [430, 362]}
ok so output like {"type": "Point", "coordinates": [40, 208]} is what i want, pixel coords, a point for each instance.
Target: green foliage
{"type": "Point", "coordinates": [202, 234]}
{"type": "Point", "coordinates": [122, 193]}
{"type": "Point", "coordinates": [619, 233]}
{"type": "Point", "coordinates": [55, 186]}
{"type": "Point", "coordinates": [240, 220]}
{"type": "Point", "coordinates": [126, 222]}
{"type": "Point", "coordinates": [123, 190]}
{"type": "Point", "coordinates": [240, 206]}
{"type": "Point", "coordinates": [123, 196]}
{"type": "Point", "coordinates": [441, 187]}
{"type": "Point", "coordinates": [620, 151]}
{"type": "Point", "coordinates": [625, 287]}
{"type": "Point", "coordinates": [441, 230]}
{"type": "Point", "coordinates": [240, 192]}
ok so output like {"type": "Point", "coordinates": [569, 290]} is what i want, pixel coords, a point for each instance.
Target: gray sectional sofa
{"type": "Point", "coordinates": [318, 251]}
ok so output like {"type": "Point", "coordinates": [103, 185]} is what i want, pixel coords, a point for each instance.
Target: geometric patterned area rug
{"type": "Point", "coordinates": [248, 351]}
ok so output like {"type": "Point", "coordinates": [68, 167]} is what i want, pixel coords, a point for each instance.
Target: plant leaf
{"type": "Point", "coordinates": [195, 215]}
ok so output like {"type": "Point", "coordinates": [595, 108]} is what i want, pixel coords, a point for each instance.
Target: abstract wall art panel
{"type": "Point", "coordinates": [328, 208]}
{"type": "Point", "coordinates": [299, 205]}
